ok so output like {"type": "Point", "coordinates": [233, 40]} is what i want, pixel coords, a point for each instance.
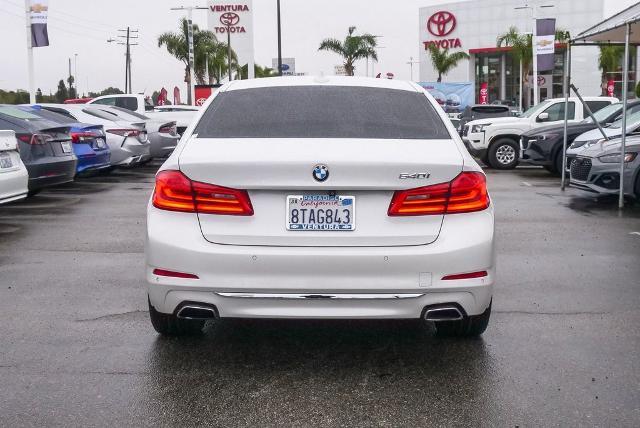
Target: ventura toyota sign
{"type": "Point", "coordinates": [441, 24]}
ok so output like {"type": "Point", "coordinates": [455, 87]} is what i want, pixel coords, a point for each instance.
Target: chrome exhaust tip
{"type": "Point", "coordinates": [196, 312]}
{"type": "Point", "coordinates": [443, 313]}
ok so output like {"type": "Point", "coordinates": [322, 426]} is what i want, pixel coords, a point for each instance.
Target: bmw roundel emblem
{"type": "Point", "coordinates": [321, 173]}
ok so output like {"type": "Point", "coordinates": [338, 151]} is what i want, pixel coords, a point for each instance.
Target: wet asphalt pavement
{"type": "Point", "coordinates": [77, 348]}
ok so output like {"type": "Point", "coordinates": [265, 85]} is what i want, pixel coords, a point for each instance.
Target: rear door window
{"type": "Point", "coordinates": [321, 112]}
{"type": "Point", "coordinates": [594, 106]}
{"type": "Point", "coordinates": [130, 103]}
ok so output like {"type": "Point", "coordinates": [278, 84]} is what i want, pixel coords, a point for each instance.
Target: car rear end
{"type": "Point", "coordinates": [360, 204]}
{"type": "Point", "coordinates": [90, 147]}
{"type": "Point", "coordinates": [129, 143]}
{"type": "Point", "coordinates": [163, 138]}
{"type": "Point", "coordinates": [14, 177]}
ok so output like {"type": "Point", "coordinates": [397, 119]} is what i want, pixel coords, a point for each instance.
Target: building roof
{"type": "Point", "coordinates": [612, 29]}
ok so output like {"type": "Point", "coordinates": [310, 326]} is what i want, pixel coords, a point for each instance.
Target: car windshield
{"type": "Point", "coordinates": [633, 119]}
{"type": "Point", "coordinates": [602, 114]}
{"type": "Point", "coordinates": [321, 112]}
{"type": "Point", "coordinates": [531, 111]}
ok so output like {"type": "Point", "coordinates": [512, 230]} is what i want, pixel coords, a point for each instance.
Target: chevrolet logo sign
{"type": "Point", "coordinates": [543, 43]}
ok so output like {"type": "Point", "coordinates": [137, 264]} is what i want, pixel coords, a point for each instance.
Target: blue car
{"type": "Point", "coordinates": [89, 141]}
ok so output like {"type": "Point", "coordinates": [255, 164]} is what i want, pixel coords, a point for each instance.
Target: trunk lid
{"type": "Point", "coordinates": [272, 169]}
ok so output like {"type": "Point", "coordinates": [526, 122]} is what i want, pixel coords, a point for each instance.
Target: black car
{"type": "Point", "coordinates": [481, 111]}
{"type": "Point", "coordinates": [543, 146]}
{"type": "Point", "coordinates": [45, 147]}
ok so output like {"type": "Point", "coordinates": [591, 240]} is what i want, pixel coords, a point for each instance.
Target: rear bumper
{"type": "Point", "coordinates": [13, 185]}
{"type": "Point", "coordinates": [162, 144]}
{"type": "Point", "coordinates": [51, 172]}
{"type": "Point", "coordinates": [174, 242]}
{"type": "Point", "coordinates": [96, 160]}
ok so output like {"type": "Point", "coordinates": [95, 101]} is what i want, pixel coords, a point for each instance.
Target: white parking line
{"type": "Point", "coordinates": [634, 233]}
{"type": "Point", "coordinates": [526, 183]}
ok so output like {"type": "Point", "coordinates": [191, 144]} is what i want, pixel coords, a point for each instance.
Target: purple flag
{"type": "Point", "coordinates": [545, 42]}
{"type": "Point", "coordinates": [39, 33]}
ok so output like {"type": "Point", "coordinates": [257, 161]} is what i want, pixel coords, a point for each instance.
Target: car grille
{"type": "Point", "coordinates": [580, 169]}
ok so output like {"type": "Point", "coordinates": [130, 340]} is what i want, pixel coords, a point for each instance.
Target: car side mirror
{"type": "Point", "coordinates": [543, 117]}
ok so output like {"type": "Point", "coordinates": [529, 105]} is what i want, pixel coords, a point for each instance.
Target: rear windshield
{"type": "Point", "coordinates": [321, 112]}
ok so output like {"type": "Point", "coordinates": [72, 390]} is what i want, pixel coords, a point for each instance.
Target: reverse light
{"type": "Point", "coordinates": [174, 274]}
{"type": "Point", "coordinates": [465, 193]}
{"type": "Point", "coordinates": [470, 275]}
{"type": "Point", "coordinates": [174, 191]}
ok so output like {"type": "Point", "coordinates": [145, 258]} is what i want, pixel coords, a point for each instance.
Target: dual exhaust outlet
{"type": "Point", "coordinates": [192, 311]}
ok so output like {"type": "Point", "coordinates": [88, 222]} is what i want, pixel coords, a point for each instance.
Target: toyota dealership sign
{"type": "Point", "coordinates": [234, 19]}
{"type": "Point", "coordinates": [440, 27]}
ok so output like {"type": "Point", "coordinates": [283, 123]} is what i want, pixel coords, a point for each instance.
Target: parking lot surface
{"type": "Point", "coordinates": [77, 348]}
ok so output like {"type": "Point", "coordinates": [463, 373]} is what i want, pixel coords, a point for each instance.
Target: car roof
{"type": "Point", "coordinates": [367, 82]}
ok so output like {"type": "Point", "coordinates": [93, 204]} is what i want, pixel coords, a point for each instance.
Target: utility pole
{"type": "Point", "coordinates": [189, 9]}
{"type": "Point", "coordinates": [279, 42]}
{"type": "Point", "coordinates": [70, 82]}
{"type": "Point", "coordinates": [127, 69]}
{"type": "Point", "coordinates": [75, 74]}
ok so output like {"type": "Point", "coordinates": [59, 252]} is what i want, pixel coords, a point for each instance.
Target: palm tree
{"type": "Point", "coordinates": [443, 61]}
{"type": "Point", "coordinates": [609, 61]}
{"type": "Point", "coordinates": [521, 45]}
{"type": "Point", "coordinates": [352, 49]}
{"type": "Point", "coordinates": [203, 42]}
{"type": "Point", "coordinates": [259, 71]}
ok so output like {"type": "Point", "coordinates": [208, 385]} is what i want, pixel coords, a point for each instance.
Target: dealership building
{"type": "Point", "coordinates": [474, 26]}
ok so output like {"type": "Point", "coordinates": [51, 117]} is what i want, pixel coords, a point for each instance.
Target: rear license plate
{"type": "Point", "coordinates": [5, 160]}
{"type": "Point", "coordinates": [321, 213]}
{"type": "Point", "coordinates": [66, 147]}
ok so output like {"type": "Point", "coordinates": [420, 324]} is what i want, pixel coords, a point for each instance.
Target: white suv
{"type": "Point", "coordinates": [325, 197]}
{"type": "Point", "coordinates": [497, 141]}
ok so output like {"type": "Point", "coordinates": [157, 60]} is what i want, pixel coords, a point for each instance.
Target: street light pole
{"type": "Point", "coordinates": [536, 95]}
{"type": "Point", "coordinates": [411, 62]}
{"type": "Point", "coordinates": [32, 90]}
{"type": "Point", "coordinates": [279, 42]}
{"type": "Point", "coordinates": [189, 9]}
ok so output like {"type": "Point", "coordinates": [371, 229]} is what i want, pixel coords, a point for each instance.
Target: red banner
{"type": "Point", "coordinates": [176, 96]}
{"type": "Point", "coordinates": [610, 88]}
{"type": "Point", "coordinates": [162, 97]}
{"type": "Point", "coordinates": [484, 93]}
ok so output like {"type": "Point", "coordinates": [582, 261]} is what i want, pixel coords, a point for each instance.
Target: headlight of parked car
{"type": "Point", "coordinates": [545, 137]}
{"type": "Point", "coordinates": [587, 143]}
{"type": "Point", "coordinates": [615, 158]}
{"type": "Point", "coordinates": [479, 128]}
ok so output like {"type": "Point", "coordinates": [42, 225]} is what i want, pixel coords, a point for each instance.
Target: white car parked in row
{"type": "Point", "coordinates": [14, 178]}
{"type": "Point", "coordinates": [497, 140]}
{"type": "Point", "coordinates": [326, 197]}
{"type": "Point", "coordinates": [182, 115]}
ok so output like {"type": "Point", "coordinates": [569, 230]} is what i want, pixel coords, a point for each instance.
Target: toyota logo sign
{"type": "Point", "coordinates": [441, 23]}
{"type": "Point", "coordinates": [229, 19]}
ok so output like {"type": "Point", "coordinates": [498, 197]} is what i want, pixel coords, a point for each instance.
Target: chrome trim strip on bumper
{"type": "Point", "coordinates": [320, 296]}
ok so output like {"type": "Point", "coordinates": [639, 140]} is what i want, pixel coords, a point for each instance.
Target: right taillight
{"type": "Point", "coordinates": [174, 191]}
{"type": "Point", "coordinates": [466, 193]}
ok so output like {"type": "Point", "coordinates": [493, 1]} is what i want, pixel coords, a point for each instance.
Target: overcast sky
{"type": "Point", "coordinates": [82, 27]}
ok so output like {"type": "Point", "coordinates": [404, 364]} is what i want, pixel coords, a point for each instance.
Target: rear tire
{"type": "Point", "coordinates": [556, 167]}
{"type": "Point", "coordinates": [503, 154]}
{"type": "Point", "coordinates": [170, 325]}
{"type": "Point", "coordinates": [636, 190]}
{"type": "Point", "coordinates": [470, 326]}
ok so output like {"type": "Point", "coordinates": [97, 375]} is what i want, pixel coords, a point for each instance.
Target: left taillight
{"type": "Point", "coordinates": [169, 128]}
{"type": "Point", "coordinates": [465, 193]}
{"type": "Point", "coordinates": [83, 137]}
{"type": "Point", "coordinates": [174, 191]}
{"type": "Point", "coordinates": [34, 139]}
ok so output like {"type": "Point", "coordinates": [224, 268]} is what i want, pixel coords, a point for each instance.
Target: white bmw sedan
{"type": "Point", "coordinates": [326, 198]}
